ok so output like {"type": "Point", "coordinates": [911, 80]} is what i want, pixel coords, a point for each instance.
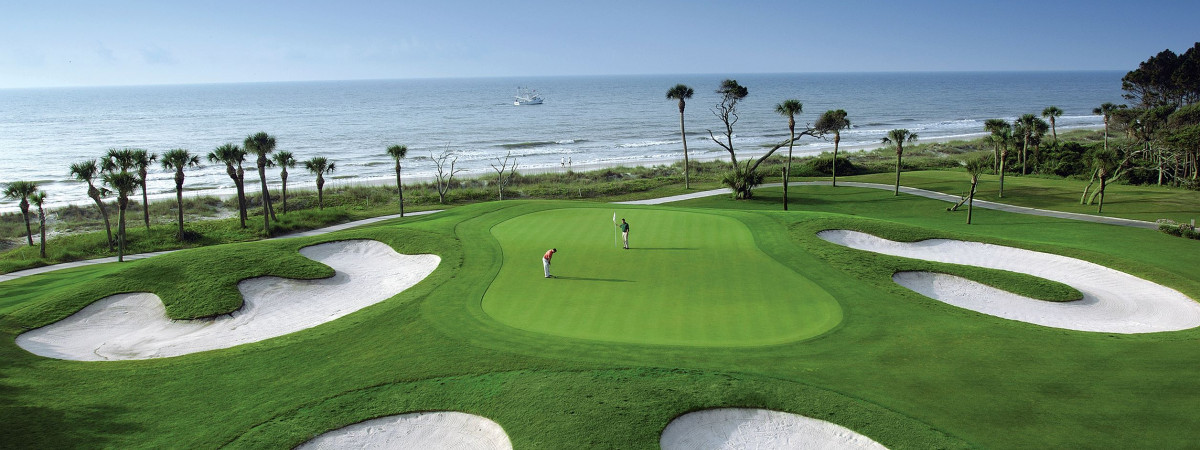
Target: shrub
{"type": "Point", "coordinates": [742, 182]}
{"type": "Point", "coordinates": [823, 166]}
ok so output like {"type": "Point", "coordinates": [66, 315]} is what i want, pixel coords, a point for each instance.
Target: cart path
{"type": "Point", "coordinates": [922, 193]}
{"type": "Point", "coordinates": [654, 201]}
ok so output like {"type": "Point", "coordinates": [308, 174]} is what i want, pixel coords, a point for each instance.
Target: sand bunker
{"type": "Point", "coordinates": [1113, 301]}
{"type": "Point", "coordinates": [135, 326]}
{"type": "Point", "coordinates": [428, 430]}
{"type": "Point", "coordinates": [738, 428]}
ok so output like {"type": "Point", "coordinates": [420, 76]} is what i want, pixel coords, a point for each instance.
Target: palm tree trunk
{"type": "Point", "coordinates": [283, 175]}
{"type": "Point", "coordinates": [266, 198]}
{"type": "Point", "coordinates": [787, 173]}
{"type": "Point", "coordinates": [1024, 157]}
{"type": "Point", "coordinates": [1003, 156]}
{"type": "Point", "coordinates": [121, 233]}
{"type": "Point", "coordinates": [240, 182]}
{"type": "Point", "coordinates": [1087, 188]}
{"type": "Point", "coordinates": [320, 192]}
{"type": "Point", "coordinates": [145, 204]}
{"type": "Point", "coordinates": [28, 228]}
{"type": "Point", "coordinates": [42, 224]}
{"type": "Point", "coordinates": [837, 138]}
{"type": "Point", "coordinates": [400, 188]}
{"type": "Point", "coordinates": [683, 135]}
{"type": "Point", "coordinates": [179, 199]}
{"type": "Point", "coordinates": [898, 157]}
{"type": "Point", "coordinates": [107, 225]}
{"type": "Point", "coordinates": [1053, 130]}
{"type": "Point", "coordinates": [971, 199]}
{"type": "Point", "coordinates": [1100, 209]}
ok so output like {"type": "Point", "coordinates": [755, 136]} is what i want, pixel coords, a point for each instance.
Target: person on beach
{"type": "Point", "coordinates": [624, 226]}
{"type": "Point", "coordinates": [546, 261]}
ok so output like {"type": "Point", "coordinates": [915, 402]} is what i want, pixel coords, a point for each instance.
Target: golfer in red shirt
{"type": "Point", "coordinates": [546, 261]}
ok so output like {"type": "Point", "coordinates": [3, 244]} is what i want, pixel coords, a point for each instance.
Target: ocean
{"type": "Point", "coordinates": [592, 121]}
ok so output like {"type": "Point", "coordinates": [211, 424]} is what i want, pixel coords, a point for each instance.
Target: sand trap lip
{"type": "Point", "coordinates": [426, 430]}
{"type": "Point", "coordinates": [1113, 301]}
{"type": "Point", "coordinates": [135, 326]}
{"type": "Point", "coordinates": [738, 428]}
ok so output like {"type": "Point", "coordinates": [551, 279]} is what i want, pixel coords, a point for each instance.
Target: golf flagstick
{"type": "Point", "coordinates": [615, 238]}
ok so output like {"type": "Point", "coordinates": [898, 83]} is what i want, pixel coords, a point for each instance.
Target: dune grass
{"type": "Point", "coordinates": [905, 370]}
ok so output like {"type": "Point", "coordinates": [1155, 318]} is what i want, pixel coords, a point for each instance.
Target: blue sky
{"type": "Point", "coordinates": [116, 42]}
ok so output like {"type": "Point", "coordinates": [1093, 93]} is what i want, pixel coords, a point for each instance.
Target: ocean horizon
{"type": "Point", "coordinates": [589, 120]}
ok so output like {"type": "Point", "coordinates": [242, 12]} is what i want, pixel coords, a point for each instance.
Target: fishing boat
{"type": "Point", "coordinates": [525, 96]}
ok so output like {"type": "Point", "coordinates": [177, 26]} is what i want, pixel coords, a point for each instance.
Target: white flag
{"type": "Point", "coordinates": [614, 218]}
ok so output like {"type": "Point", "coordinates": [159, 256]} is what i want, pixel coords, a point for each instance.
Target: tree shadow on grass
{"type": "Point", "coordinates": [29, 423]}
{"type": "Point", "coordinates": [609, 280]}
{"type": "Point", "coordinates": [662, 248]}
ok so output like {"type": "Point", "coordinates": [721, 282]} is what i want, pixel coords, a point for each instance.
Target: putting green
{"type": "Point", "coordinates": [689, 279]}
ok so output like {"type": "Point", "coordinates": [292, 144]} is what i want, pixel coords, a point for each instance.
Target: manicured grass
{"type": "Point", "coordinates": [674, 286]}
{"type": "Point", "coordinates": [905, 370]}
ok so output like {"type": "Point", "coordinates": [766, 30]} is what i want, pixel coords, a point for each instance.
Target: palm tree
{"type": "Point", "coordinates": [1001, 138]}
{"type": "Point", "coordinates": [39, 198]}
{"type": "Point", "coordinates": [789, 108]}
{"type": "Point", "coordinates": [261, 145]}
{"type": "Point", "coordinates": [1037, 133]}
{"type": "Point", "coordinates": [682, 92]}
{"type": "Point", "coordinates": [284, 159]}
{"type": "Point", "coordinates": [22, 190]}
{"type": "Point", "coordinates": [1023, 127]}
{"type": "Point", "coordinates": [899, 137]}
{"type": "Point", "coordinates": [319, 166]}
{"type": "Point", "coordinates": [1105, 162]}
{"type": "Point", "coordinates": [119, 160]}
{"type": "Point", "coordinates": [177, 160]}
{"type": "Point", "coordinates": [834, 121]}
{"type": "Point", "coordinates": [1052, 112]}
{"type": "Point", "coordinates": [87, 171]}
{"type": "Point", "coordinates": [398, 152]}
{"type": "Point", "coordinates": [975, 168]}
{"type": "Point", "coordinates": [232, 155]}
{"type": "Point", "coordinates": [1106, 110]}
{"type": "Point", "coordinates": [143, 159]}
{"type": "Point", "coordinates": [123, 183]}
{"type": "Point", "coordinates": [996, 127]}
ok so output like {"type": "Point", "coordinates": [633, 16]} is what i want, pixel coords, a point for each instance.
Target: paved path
{"type": "Point", "coordinates": [923, 193]}
{"type": "Point", "coordinates": [654, 201]}
{"type": "Point", "coordinates": [329, 229]}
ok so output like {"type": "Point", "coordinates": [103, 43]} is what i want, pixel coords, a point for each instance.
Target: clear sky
{"type": "Point", "coordinates": [120, 42]}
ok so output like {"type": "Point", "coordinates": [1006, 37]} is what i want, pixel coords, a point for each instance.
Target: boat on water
{"type": "Point", "coordinates": [525, 96]}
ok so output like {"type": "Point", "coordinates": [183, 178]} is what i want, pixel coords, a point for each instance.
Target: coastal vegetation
{"type": "Point", "coordinates": [211, 220]}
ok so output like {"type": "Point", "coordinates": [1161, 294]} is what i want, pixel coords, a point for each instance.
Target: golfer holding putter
{"type": "Point", "coordinates": [546, 261]}
{"type": "Point", "coordinates": [624, 226]}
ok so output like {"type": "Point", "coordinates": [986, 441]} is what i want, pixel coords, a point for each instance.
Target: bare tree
{"type": "Point", "coordinates": [502, 180]}
{"type": "Point", "coordinates": [444, 176]}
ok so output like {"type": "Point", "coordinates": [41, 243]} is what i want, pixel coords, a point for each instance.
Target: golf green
{"type": "Point", "coordinates": [688, 279]}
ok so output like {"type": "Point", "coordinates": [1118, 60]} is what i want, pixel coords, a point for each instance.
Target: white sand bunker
{"type": "Point", "coordinates": [1113, 301]}
{"type": "Point", "coordinates": [741, 428]}
{"type": "Point", "coordinates": [428, 430]}
{"type": "Point", "coordinates": [135, 326]}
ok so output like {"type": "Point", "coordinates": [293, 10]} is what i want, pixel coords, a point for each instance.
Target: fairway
{"type": "Point", "coordinates": [688, 279]}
